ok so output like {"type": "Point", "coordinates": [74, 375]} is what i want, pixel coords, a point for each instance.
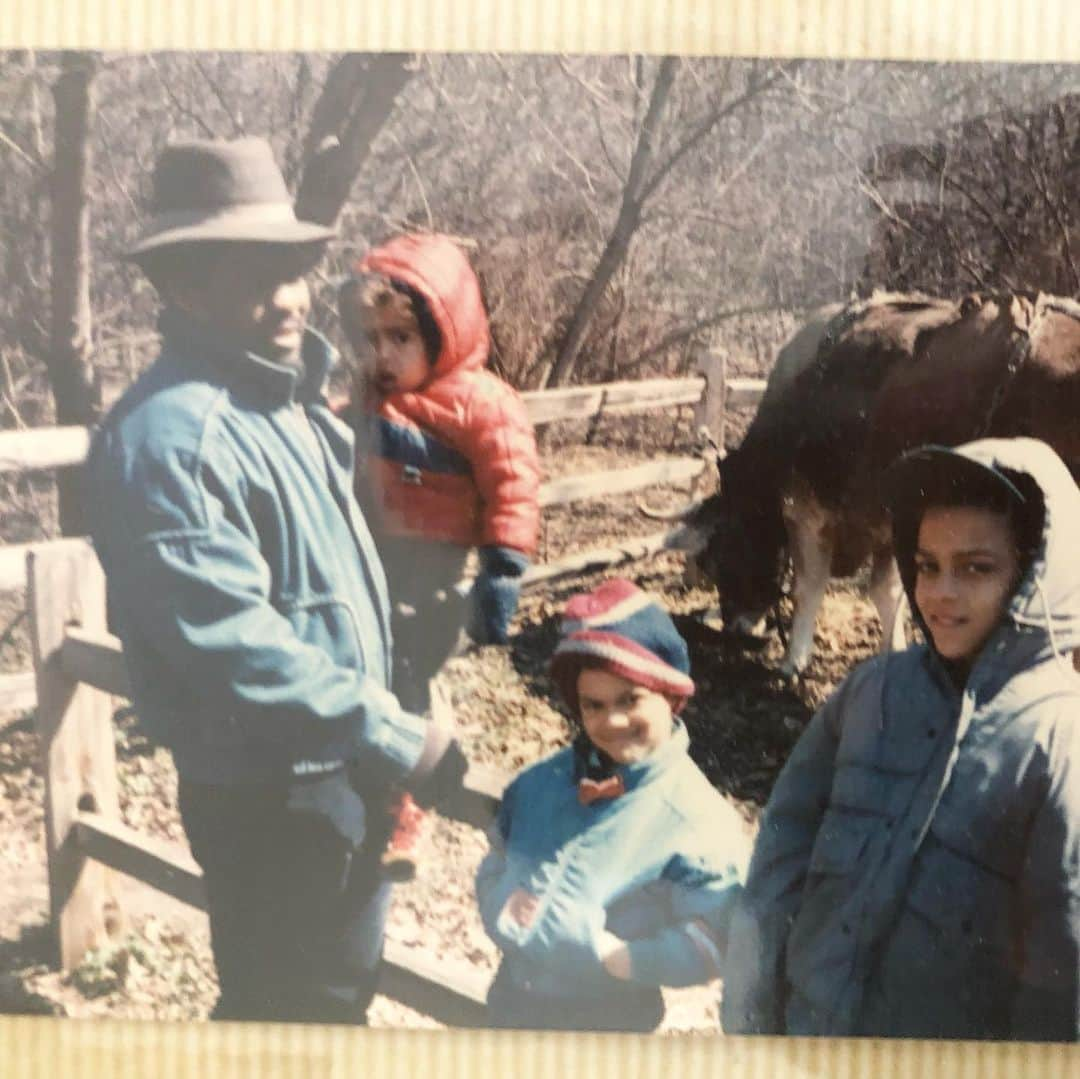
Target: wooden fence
{"type": "Point", "coordinates": [78, 668]}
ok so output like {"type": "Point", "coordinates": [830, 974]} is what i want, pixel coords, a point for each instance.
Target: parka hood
{"type": "Point", "coordinates": [437, 268]}
{"type": "Point", "coordinates": [1044, 610]}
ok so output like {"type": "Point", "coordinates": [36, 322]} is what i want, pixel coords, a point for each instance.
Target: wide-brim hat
{"type": "Point", "coordinates": [206, 191]}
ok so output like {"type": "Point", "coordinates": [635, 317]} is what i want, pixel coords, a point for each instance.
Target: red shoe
{"type": "Point", "coordinates": [399, 859]}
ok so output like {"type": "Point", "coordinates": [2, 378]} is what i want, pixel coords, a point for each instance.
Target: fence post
{"type": "Point", "coordinates": [710, 411]}
{"type": "Point", "coordinates": [74, 722]}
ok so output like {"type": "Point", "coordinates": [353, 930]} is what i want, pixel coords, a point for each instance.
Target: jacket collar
{"type": "Point", "coordinates": [274, 384]}
{"type": "Point", "coordinates": [586, 760]}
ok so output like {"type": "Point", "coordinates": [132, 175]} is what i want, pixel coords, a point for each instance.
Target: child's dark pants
{"type": "Point", "coordinates": [297, 908]}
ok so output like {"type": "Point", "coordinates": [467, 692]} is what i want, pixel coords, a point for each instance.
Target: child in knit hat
{"type": "Point", "coordinates": [614, 864]}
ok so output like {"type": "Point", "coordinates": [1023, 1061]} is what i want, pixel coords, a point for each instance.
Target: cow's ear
{"type": "Point", "coordinates": [970, 304]}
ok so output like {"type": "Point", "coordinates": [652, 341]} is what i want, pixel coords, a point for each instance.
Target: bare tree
{"type": "Point", "coordinates": [649, 168]}
{"type": "Point", "coordinates": [356, 101]}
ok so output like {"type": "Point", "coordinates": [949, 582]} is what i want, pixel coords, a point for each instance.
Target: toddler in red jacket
{"type": "Point", "coordinates": [446, 458]}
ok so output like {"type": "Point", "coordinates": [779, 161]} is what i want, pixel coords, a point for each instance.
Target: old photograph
{"type": "Point", "coordinates": [554, 542]}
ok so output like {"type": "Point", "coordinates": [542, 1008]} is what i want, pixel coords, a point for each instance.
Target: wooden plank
{"type": "Point", "coordinates": [13, 566]}
{"type": "Point", "coordinates": [480, 801]}
{"type": "Point", "coordinates": [619, 480]}
{"type": "Point", "coordinates": [158, 863]}
{"type": "Point", "coordinates": [62, 447]}
{"type": "Point", "coordinates": [450, 992]}
{"type": "Point", "coordinates": [18, 692]}
{"type": "Point", "coordinates": [581, 402]}
{"type": "Point", "coordinates": [741, 392]}
{"type": "Point", "coordinates": [74, 726]}
{"type": "Point", "coordinates": [600, 558]}
{"type": "Point", "coordinates": [43, 447]}
{"type": "Point", "coordinates": [96, 659]}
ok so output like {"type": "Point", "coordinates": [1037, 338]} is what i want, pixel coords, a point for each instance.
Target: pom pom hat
{"type": "Point", "coordinates": [620, 629]}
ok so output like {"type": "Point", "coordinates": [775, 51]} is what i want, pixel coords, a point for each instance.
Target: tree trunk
{"type": "Point", "coordinates": [625, 226]}
{"type": "Point", "coordinates": [71, 372]}
{"type": "Point", "coordinates": [356, 101]}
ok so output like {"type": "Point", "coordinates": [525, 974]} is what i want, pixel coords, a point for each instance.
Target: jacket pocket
{"type": "Point", "coordinates": [969, 906]}
{"type": "Point", "coordinates": [330, 625]}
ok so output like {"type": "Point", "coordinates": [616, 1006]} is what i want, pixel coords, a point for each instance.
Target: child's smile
{"type": "Point", "coordinates": [626, 721]}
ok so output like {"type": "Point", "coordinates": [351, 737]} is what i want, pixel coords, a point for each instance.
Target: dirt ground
{"type": "Point", "coordinates": [743, 722]}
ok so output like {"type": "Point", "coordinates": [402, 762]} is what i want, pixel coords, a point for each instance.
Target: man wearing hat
{"type": "Point", "coordinates": [244, 584]}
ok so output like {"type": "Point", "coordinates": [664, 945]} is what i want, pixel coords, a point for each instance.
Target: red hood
{"type": "Point", "coordinates": [437, 268]}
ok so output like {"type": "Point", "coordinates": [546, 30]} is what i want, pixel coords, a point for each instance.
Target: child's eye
{"type": "Point", "coordinates": [924, 566]}
{"type": "Point", "coordinates": [979, 569]}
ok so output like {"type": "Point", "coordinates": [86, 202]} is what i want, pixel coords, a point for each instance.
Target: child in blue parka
{"type": "Point", "coordinates": [917, 870]}
{"type": "Point", "coordinates": [614, 864]}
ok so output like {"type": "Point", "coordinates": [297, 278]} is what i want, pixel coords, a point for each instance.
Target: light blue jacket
{"type": "Point", "coordinates": [660, 866]}
{"type": "Point", "coordinates": [242, 578]}
{"type": "Point", "coordinates": [917, 871]}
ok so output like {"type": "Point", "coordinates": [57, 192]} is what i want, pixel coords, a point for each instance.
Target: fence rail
{"type": "Point", "coordinates": [62, 447]}
{"type": "Point", "coordinates": [78, 667]}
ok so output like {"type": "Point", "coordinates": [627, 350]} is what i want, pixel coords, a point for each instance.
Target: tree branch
{"type": "Point", "coordinates": [753, 90]}
{"type": "Point", "coordinates": [343, 128]}
{"type": "Point", "coordinates": [223, 101]}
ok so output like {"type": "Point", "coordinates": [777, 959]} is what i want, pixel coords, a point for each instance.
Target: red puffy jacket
{"type": "Point", "coordinates": [456, 459]}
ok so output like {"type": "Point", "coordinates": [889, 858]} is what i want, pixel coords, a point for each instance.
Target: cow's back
{"type": "Point", "coordinates": [819, 421]}
{"type": "Point", "coordinates": [1009, 366]}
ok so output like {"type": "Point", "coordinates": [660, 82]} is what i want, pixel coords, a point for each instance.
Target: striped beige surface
{"type": "Point", "coordinates": [37, 1048]}
{"type": "Point", "coordinates": [897, 29]}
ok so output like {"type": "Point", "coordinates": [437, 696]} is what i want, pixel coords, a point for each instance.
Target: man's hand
{"type": "Point", "coordinates": [442, 786]}
{"type": "Point", "coordinates": [441, 709]}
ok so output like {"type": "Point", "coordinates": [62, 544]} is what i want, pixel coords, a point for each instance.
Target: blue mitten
{"type": "Point", "coordinates": [495, 593]}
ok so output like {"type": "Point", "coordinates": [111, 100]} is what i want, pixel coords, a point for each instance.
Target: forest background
{"type": "Point", "coordinates": [625, 213]}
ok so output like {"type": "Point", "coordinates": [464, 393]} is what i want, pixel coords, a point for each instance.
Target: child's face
{"type": "Point", "coordinates": [393, 353]}
{"type": "Point", "coordinates": [966, 569]}
{"type": "Point", "coordinates": [628, 722]}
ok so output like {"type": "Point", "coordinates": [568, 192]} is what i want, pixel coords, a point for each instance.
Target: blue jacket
{"type": "Point", "coordinates": [242, 578]}
{"type": "Point", "coordinates": [659, 866]}
{"type": "Point", "coordinates": [917, 872]}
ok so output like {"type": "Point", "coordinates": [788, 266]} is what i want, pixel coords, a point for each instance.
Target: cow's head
{"type": "Point", "coordinates": [736, 541]}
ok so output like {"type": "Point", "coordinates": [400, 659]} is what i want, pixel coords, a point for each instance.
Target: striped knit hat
{"type": "Point", "coordinates": [619, 628]}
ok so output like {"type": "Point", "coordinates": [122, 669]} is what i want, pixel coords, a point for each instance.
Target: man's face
{"type": "Point", "coordinates": [253, 294]}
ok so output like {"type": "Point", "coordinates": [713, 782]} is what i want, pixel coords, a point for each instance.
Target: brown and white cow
{"type": "Point", "coordinates": [889, 373]}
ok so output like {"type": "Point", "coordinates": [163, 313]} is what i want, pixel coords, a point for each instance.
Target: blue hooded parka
{"type": "Point", "coordinates": [917, 871]}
